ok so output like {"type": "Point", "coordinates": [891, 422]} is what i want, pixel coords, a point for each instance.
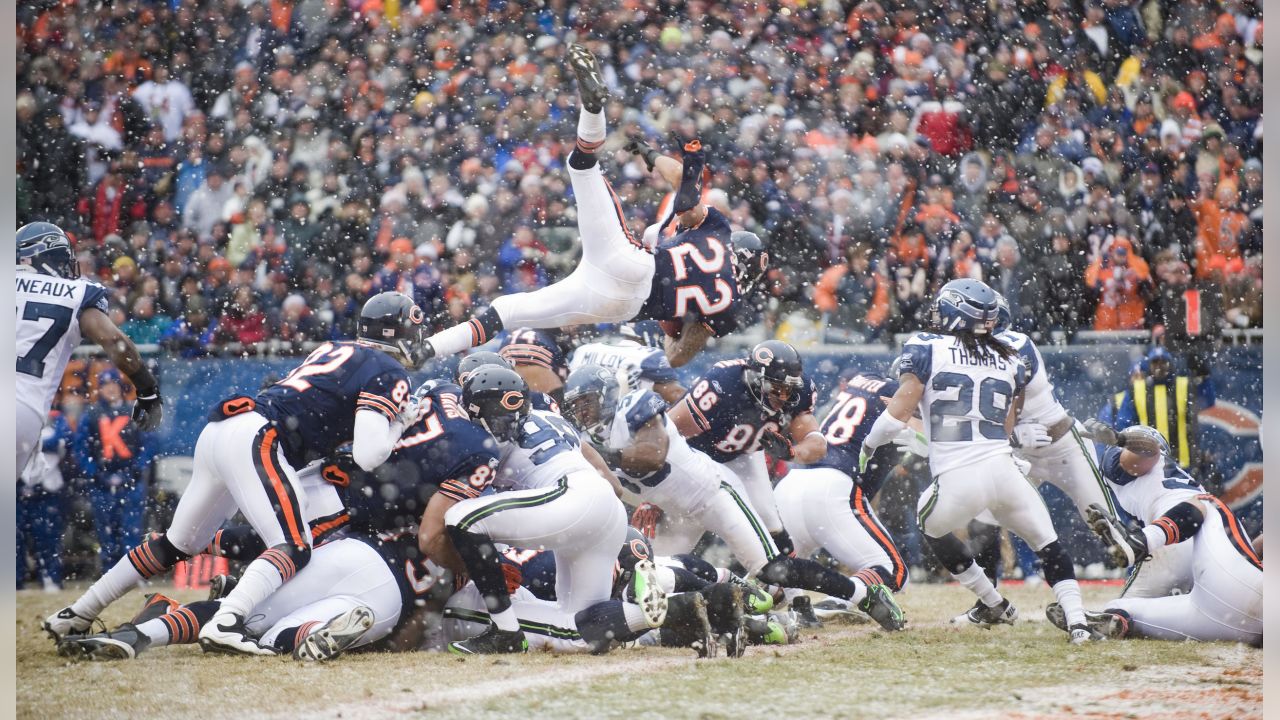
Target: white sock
{"type": "Point", "coordinates": [1068, 593]}
{"type": "Point", "coordinates": [506, 620]}
{"type": "Point", "coordinates": [635, 617]}
{"type": "Point", "coordinates": [859, 592]}
{"type": "Point", "coordinates": [112, 586]}
{"type": "Point", "coordinates": [591, 127]}
{"type": "Point", "coordinates": [1156, 538]}
{"type": "Point", "coordinates": [978, 582]}
{"type": "Point", "coordinates": [257, 583]}
{"type": "Point", "coordinates": [155, 631]}
{"type": "Point", "coordinates": [666, 579]}
{"type": "Point", "coordinates": [452, 341]}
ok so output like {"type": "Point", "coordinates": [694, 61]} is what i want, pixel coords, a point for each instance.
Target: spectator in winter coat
{"type": "Point", "coordinates": [1064, 303]}
{"type": "Point", "coordinates": [853, 296]}
{"type": "Point", "coordinates": [1122, 281]}
{"type": "Point", "coordinates": [113, 454]}
{"type": "Point", "coordinates": [204, 207]}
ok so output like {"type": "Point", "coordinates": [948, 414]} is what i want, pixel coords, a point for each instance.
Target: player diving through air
{"type": "Point", "coordinates": [699, 273]}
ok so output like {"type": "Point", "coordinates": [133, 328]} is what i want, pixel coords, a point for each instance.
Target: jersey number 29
{"type": "Point", "coordinates": [994, 395]}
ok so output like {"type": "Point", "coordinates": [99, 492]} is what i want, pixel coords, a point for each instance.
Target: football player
{"type": "Point", "coordinates": [1225, 602]}
{"type": "Point", "coordinates": [246, 459]}
{"type": "Point", "coordinates": [617, 274]}
{"type": "Point", "coordinates": [551, 496]}
{"type": "Point", "coordinates": [539, 358]}
{"type": "Point", "coordinates": [967, 384]}
{"type": "Point", "coordinates": [55, 308]}
{"type": "Point", "coordinates": [656, 465]}
{"type": "Point", "coordinates": [827, 504]}
{"type": "Point", "coordinates": [643, 367]}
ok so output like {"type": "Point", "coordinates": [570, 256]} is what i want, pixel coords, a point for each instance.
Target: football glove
{"type": "Point", "coordinates": [148, 411]}
{"type": "Point", "coordinates": [776, 446]}
{"type": "Point", "coordinates": [645, 151]}
{"type": "Point", "coordinates": [1030, 436]}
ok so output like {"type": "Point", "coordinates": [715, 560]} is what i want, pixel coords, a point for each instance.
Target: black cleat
{"type": "Point", "coordinates": [802, 606]}
{"type": "Point", "coordinates": [341, 632]}
{"type": "Point", "coordinates": [123, 643]}
{"type": "Point", "coordinates": [591, 87]}
{"type": "Point", "coordinates": [882, 608]}
{"type": "Point", "coordinates": [491, 642]}
{"type": "Point", "coordinates": [982, 616]}
{"type": "Point", "coordinates": [1126, 545]}
{"type": "Point", "coordinates": [221, 586]}
{"type": "Point", "coordinates": [1114, 625]}
{"type": "Point", "coordinates": [687, 624]}
{"type": "Point", "coordinates": [725, 606]}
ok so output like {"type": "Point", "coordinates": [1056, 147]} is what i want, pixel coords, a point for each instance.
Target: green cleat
{"type": "Point", "coordinates": [491, 642]}
{"type": "Point", "coordinates": [882, 608]}
{"type": "Point", "coordinates": [756, 600]}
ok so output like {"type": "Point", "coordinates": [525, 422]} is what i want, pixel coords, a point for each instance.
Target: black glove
{"type": "Point", "coordinates": [777, 446]}
{"type": "Point", "coordinates": [148, 411]}
{"type": "Point", "coordinates": [636, 146]}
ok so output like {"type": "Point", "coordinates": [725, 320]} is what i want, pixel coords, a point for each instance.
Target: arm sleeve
{"type": "Point", "coordinates": [95, 296]}
{"type": "Point", "coordinates": [375, 437]}
{"type": "Point", "coordinates": [647, 407]}
{"type": "Point", "coordinates": [917, 359]}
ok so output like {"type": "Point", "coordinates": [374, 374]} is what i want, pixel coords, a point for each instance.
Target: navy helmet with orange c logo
{"type": "Point", "coordinates": [496, 398]}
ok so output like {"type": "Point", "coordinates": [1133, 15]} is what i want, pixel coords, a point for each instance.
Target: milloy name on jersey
{"type": "Point", "coordinates": [1039, 405]}
{"type": "Point", "coordinates": [966, 399]}
{"type": "Point", "coordinates": [847, 425]}
{"type": "Point", "coordinates": [1148, 496]}
{"type": "Point", "coordinates": [444, 451]}
{"type": "Point", "coordinates": [546, 448]}
{"type": "Point", "coordinates": [639, 365]}
{"type": "Point", "coordinates": [693, 273]}
{"type": "Point", "coordinates": [731, 420]}
{"type": "Point", "coordinates": [49, 310]}
{"type": "Point", "coordinates": [314, 407]}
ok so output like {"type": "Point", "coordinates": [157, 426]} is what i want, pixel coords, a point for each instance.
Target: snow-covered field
{"type": "Point", "coordinates": [932, 670]}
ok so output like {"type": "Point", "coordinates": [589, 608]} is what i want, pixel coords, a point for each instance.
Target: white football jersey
{"type": "Point", "coordinates": [1147, 497]}
{"type": "Point", "coordinates": [49, 310]}
{"type": "Point", "coordinates": [966, 399]}
{"type": "Point", "coordinates": [639, 365]}
{"type": "Point", "coordinates": [685, 480]}
{"type": "Point", "coordinates": [1040, 404]}
{"type": "Point", "coordinates": [545, 449]}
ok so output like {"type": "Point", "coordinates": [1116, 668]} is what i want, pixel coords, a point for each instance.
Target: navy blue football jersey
{"type": "Point", "coordinates": [537, 570]}
{"type": "Point", "coordinates": [848, 423]}
{"type": "Point", "coordinates": [527, 346]}
{"type": "Point", "coordinates": [727, 413]}
{"type": "Point", "coordinates": [693, 273]}
{"type": "Point", "coordinates": [314, 407]}
{"type": "Point", "coordinates": [444, 451]}
{"type": "Point", "coordinates": [414, 578]}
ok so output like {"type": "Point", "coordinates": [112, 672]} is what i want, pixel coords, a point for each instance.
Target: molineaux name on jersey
{"type": "Point", "coordinates": [991, 360]}
{"type": "Point", "coordinates": [863, 382]}
{"type": "Point", "coordinates": [46, 287]}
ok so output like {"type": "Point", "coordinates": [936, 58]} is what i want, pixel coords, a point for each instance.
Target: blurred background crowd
{"type": "Point", "coordinates": [242, 174]}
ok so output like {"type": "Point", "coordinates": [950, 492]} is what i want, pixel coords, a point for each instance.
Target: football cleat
{"type": "Point", "coordinates": [836, 609]}
{"type": "Point", "coordinates": [1081, 634]}
{"type": "Point", "coordinates": [802, 606]}
{"type": "Point", "coordinates": [156, 604]}
{"type": "Point", "coordinates": [492, 642]}
{"type": "Point", "coordinates": [341, 632]}
{"type": "Point", "coordinates": [645, 590]}
{"type": "Point", "coordinates": [123, 643]}
{"type": "Point", "coordinates": [221, 586]}
{"type": "Point", "coordinates": [1114, 625]}
{"type": "Point", "coordinates": [766, 630]}
{"type": "Point", "coordinates": [882, 608]}
{"type": "Point", "coordinates": [687, 624]}
{"type": "Point", "coordinates": [590, 80]}
{"type": "Point", "coordinates": [982, 616]}
{"type": "Point", "coordinates": [225, 633]}
{"type": "Point", "coordinates": [725, 604]}
{"type": "Point", "coordinates": [756, 600]}
{"type": "Point", "coordinates": [1125, 546]}
{"type": "Point", "coordinates": [65, 622]}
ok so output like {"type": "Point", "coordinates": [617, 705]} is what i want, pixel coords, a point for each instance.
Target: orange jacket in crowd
{"type": "Point", "coordinates": [826, 299]}
{"type": "Point", "coordinates": [1119, 275]}
{"type": "Point", "coordinates": [1220, 231]}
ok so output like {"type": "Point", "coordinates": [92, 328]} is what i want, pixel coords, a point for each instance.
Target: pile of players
{"type": "Point", "coordinates": [484, 511]}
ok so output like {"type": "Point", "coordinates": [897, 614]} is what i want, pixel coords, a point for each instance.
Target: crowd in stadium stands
{"type": "Point", "coordinates": [239, 171]}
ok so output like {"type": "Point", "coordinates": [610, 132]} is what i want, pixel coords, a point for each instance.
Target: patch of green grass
{"type": "Point", "coordinates": [850, 671]}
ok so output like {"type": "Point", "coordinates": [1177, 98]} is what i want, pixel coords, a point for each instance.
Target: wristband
{"type": "Point", "coordinates": [144, 382]}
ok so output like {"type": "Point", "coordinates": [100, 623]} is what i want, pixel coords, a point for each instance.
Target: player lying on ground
{"type": "Point", "coordinates": [55, 307]}
{"type": "Point", "coordinates": [247, 457]}
{"type": "Point", "coordinates": [617, 275]}
{"type": "Point", "coordinates": [1225, 602]}
{"type": "Point", "coordinates": [967, 384]}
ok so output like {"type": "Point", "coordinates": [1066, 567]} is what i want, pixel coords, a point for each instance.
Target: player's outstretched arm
{"type": "Point", "coordinates": [670, 391]}
{"type": "Point", "coordinates": [375, 438]}
{"type": "Point", "coordinates": [895, 417]}
{"type": "Point", "coordinates": [593, 456]}
{"type": "Point", "coordinates": [647, 452]}
{"type": "Point", "coordinates": [433, 541]}
{"type": "Point", "coordinates": [96, 326]}
{"type": "Point", "coordinates": [693, 338]}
